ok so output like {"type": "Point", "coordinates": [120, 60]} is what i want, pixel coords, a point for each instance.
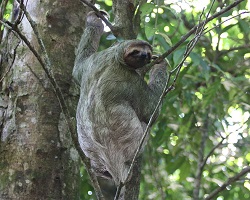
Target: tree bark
{"type": "Point", "coordinates": [125, 25]}
{"type": "Point", "coordinates": [132, 188]}
{"type": "Point", "coordinates": [37, 159]}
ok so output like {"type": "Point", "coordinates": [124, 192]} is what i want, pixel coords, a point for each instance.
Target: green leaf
{"type": "Point", "coordinates": [217, 67]}
{"type": "Point", "coordinates": [210, 94]}
{"type": "Point", "coordinates": [167, 39]}
{"type": "Point", "coordinates": [178, 55]}
{"type": "Point", "coordinates": [149, 31]}
{"type": "Point", "coordinates": [184, 171]}
{"type": "Point", "coordinates": [146, 9]}
{"type": "Point", "coordinates": [162, 43]}
{"type": "Point", "coordinates": [227, 28]}
{"type": "Point", "coordinates": [244, 26]}
{"type": "Point", "coordinates": [196, 59]}
{"type": "Point", "coordinates": [108, 2]}
{"type": "Point", "coordinates": [205, 70]}
{"type": "Point", "coordinates": [175, 164]}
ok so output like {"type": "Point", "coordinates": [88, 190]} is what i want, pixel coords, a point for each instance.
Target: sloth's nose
{"type": "Point", "coordinates": [144, 55]}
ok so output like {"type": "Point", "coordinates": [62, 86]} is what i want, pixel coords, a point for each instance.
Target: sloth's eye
{"type": "Point", "coordinates": [135, 52]}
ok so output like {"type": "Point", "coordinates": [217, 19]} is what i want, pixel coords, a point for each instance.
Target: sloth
{"type": "Point", "coordinates": [115, 102]}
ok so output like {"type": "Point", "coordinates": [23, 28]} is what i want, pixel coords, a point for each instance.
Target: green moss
{"type": "Point", "coordinates": [4, 181]}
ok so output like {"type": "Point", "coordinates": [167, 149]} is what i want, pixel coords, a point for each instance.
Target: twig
{"type": "Point", "coordinates": [227, 183]}
{"type": "Point", "coordinates": [217, 145]}
{"type": "Point", "coordinates": [245, 12]}
{"type": "Point", "coordinates": [246, 46]}
{"type": "Point", "coordinates": [20, 16]}
{"type": "Point", "coordinates": [211, 152]}
{"type": "Point", "coordinates": [13, 60]}
{"type": "Point", "coordinates": [36, 76]}
{"type": "Point", "coordinates": [98, 12]}
{"type": "Point", "coordinates": [2, 10]}
{"type": "Point", "coordinates": [189, 48]}
{"type": "Point", "coordinates": [118, 191]}
{"type": "Point", "coordinates": [14, 54]}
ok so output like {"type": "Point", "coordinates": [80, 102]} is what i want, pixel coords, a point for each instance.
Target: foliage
{"type": "Point", "coordinates": [209, 106]}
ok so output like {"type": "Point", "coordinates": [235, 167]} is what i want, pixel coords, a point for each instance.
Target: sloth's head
{"type": "Point", "coordinates": [137, 54]}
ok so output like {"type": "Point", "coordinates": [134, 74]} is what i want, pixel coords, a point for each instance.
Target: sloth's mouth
{"type": "Point", "coordinates": [144, 60]}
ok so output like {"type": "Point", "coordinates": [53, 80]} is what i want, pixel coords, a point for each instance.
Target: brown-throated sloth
{"type": "Point", "coordinates": [115, 102]}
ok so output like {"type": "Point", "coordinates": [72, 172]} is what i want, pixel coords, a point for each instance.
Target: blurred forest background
{"type": "Point", "coordinates": [202, 137]}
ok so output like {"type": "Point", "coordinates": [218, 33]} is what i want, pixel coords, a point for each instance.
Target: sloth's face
{"type": "Point", "coordinates": [137, 54]}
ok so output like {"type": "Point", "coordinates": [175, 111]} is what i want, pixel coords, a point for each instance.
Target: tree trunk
{"type": "Point", "coordinates": [37, 159]}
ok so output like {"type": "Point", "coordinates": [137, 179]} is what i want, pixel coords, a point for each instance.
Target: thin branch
{"type": "Point", "coordinates": [227, 183]}
{"type": "Point", "coordinates": [245, 12]}
{"type": "Point", "coordinates": [20, 15]}
{"type": "Point", "coordinates": [217, 145]}
{"type": "Point", "coordinates": [211, 152]}
{"type": "Point", "coordinates": [2, 11]}
{"type": "Point", "coordinates": [36, 76]}
{"type": "Point", "coordinates": [203, 161]}
{"type": "Point", "coordinates": [246, 46]}
{"type": "Point", "coordinates": [118, 191]}
{"type": "Point", "coordinates": [15, 48]}
{"type": "Point", "coordinates": [189, 48]}
{"type": "Point", "coordinates": [12, 62]}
